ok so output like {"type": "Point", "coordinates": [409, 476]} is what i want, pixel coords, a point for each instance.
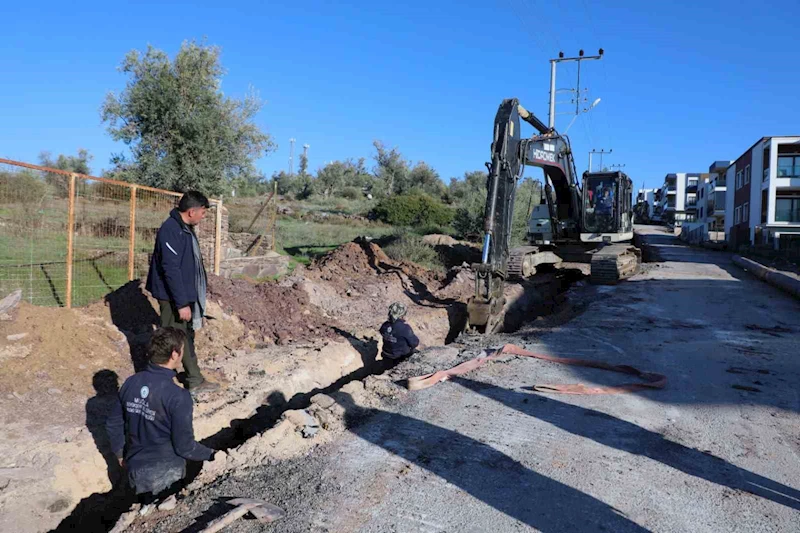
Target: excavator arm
{"type": "Point", "coordinates": [510, 153]}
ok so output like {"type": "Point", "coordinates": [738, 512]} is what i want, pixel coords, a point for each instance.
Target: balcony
{"type": "Point", "coordinates": [672, 190]}
{"type": "Point", "coordinates": [718, 184]}
{"type": "Point", "coordinates": [691, 186]}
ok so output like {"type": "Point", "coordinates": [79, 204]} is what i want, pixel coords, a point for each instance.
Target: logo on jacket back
{"type": "Point", "coordinates": [388, 337]}
{"type": "Point", "coordinates": [144, 392]}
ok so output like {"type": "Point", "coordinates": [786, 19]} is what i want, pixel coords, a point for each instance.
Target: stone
{"type": "Point", "coordinates": [54, 392]}
{"type": "Point", "coordinates": [16, 337]}
{"type": "Point", "coordinates": [11, 301]}
{"type": "Point", "coordinates": [323, 400]}
{"type": "Point", "coordinates": [169, 504]}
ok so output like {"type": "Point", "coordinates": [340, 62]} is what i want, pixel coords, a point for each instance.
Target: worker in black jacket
{"type": "Point", "coordinates": [398, 338]}
{"type": "Point", "coordinates": [177, 279]}
{"type": "Point", "coordinates": [150, 428]}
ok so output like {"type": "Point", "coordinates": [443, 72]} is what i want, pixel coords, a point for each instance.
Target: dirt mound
{"type": "Point", "coordinates": [278, 313]}
{"type": "Point", "coordinates": [353, 258]}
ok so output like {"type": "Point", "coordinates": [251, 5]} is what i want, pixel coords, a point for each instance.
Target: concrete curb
{"type": "Point", "coordinates": [770, 275]}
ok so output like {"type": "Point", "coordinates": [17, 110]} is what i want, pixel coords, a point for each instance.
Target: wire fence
{"type": "Point", "coordinates": [69, 239]}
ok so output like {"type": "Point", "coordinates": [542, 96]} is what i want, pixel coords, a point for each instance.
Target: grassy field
{"type": "Point", "coordinates": [305, 241]}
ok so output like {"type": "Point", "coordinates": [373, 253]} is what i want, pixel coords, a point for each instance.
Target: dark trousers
{"type": "Point", "coordinates": [170, 319]}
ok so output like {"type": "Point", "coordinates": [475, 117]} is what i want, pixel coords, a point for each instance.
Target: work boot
{"type": "Point", "coordinates": [204, 387]}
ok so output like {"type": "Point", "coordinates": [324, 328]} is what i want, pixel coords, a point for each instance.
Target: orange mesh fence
{"type": "Point", "coordinates": [69, 239]}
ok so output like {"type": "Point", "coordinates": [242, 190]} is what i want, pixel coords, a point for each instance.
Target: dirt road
{"type": "Point", "coordinates": [717, 450]}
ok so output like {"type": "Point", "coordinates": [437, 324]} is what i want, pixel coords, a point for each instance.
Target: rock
{"type": "Point", "coordinates": [169, 504]}
{"type": "Point", "coordinates": [303, 421]}
{"type": "Point", "coordinates": [323, 400]}
{"type": "Point", "coordinates": [16, 337]}
{"type": "Point", "coordinates": [15, 351]}
{"type": "Point", "coordinates": [11, 301]}
{"type": "Point", "coordinates": [439, 240]}
{"type": "Point", "coordinates": [18, 396]}
{"type": "Point", "coordinates": [54, 392]}
{"type": "Point", "coordinates": [353, 388]}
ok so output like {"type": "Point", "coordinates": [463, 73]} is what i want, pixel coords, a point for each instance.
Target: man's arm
{"type": "Point", "coordinates": [115, 428]}
{"type": "Point", "coordinates": [411, 338]}
{"type": "Point", "coordinates": [183, 431]}
{"type": "Point", "coordinates": [170, 252]}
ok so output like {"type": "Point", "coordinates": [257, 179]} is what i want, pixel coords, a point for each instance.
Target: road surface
{"type": "Point", "coordinates": [717, 450]}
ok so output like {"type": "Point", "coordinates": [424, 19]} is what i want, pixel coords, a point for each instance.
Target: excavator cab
{"type": "Point", "coordinates": [607, 209]}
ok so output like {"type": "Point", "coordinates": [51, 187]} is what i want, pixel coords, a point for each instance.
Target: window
{"type": "Point", "coordinates": [746, 212]}
{"type": "Point", "coordinates": [787, 209]}
{"type": "Point", "coordinates": [737, 215]}
{"type": "Point", "coordinates": [738, 180]}
{"type": "Point", "coordinates": [789, 166]}
{"type": "Point", "coordinates": [747, 174]}
{"type": "Point", "coordinates": [701, 212]}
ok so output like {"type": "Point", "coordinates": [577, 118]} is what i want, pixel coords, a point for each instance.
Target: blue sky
{"type": "Point", "coordinates": [682, 83]}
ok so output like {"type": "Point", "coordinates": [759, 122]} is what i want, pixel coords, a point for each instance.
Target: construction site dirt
{"type": "Point", "coordinates": [716, 450]}
{"type": "Point", "coordinates": [316, 422]}
{"type": "Point", "coordinates": [272, 345]}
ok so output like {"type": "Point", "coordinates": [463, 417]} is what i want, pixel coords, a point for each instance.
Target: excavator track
{"type": "Point", "coordinates": [614, 263]}
{"type": "Point", "coordinates": [523, 261]}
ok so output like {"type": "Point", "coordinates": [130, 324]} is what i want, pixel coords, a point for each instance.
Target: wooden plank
{"type": "Point", "coordinates": [70, 238]}
{"type": "Point", "coordinates": [132, 241]}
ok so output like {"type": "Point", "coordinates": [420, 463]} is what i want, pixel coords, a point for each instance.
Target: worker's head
{"type": "Point", "coordinates": [166, 347]}
{"type": "Point", "coordinates": [193, 206]}
{"type": "Point", "coordinates": [397, 311]}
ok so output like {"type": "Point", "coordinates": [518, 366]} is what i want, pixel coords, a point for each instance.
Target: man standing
{"type": "Point", "coordinates": [177, 279]}
{"type": "Point", "coordinates": [398, 338]}
{"type": "Point", "coordinates": [150, 427]}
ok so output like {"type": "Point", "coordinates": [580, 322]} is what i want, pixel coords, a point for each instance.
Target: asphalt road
{"type": "Point", "coordinates": [484, 453]}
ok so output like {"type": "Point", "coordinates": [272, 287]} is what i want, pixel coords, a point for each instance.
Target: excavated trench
{"type": "Point", "coordinates": [541, 296]}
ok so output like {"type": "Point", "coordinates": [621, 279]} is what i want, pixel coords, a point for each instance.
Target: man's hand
{"type": "Point", "coordinates": [185, 314]}
{"type": "Point", "coordinates": [121, 462]}
{"type": "Point", "coordinates": [216, 465]}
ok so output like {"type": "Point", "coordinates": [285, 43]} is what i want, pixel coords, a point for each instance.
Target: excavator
{"type": "Point", "coordinates": [590, 222]}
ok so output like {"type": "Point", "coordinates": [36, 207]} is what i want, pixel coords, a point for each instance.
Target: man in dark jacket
{"type": "Point", "coordinates": [150, 428]}
{"type": "Point", "coordinates": [177, 279]}
{"type": "Point", "coordinates": [398, 338]}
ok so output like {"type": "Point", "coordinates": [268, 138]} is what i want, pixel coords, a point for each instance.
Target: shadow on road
{"type": "Point", "coordinates": [486, 474]}
{"type": "Point", "coordinates": [625, 436]}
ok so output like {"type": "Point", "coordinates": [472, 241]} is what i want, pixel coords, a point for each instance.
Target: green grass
{"type": "Point", "coordinates": [305, 241]}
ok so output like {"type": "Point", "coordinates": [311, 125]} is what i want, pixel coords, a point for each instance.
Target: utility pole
{"type": "Point", "coordinates": [601, 152]}
{"type": "Point", "coordinates": [560, 59]}
{"type": "Point", "coordinates": [291, 156]}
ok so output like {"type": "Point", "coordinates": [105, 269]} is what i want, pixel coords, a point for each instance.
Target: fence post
{"type": "Point", "coordinates": [70, 236]}
{"type": "Point", "coordinates": [218, 239]}
{"type": "Point", "coordinates": [132, 240]}
{"type": "Point", "coordinates": [274, 217]}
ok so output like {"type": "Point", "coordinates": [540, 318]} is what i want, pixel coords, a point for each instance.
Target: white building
{"type": "Point", "coordinates": [711, 200]}
{"type": "Point", "coordinates": [649, 196]}
{"type": "Point", "coordinates": [679, 197]}
{"type": "Point", "coordinates": [763, 194]}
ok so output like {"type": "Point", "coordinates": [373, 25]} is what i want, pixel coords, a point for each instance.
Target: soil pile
{"type": "Point", "coordinates": [278, 313]}
{"type": "Point", "coordinates": [357, 258]}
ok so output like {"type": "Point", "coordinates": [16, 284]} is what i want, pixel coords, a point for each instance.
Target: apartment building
{"type": "Point", "coordinates": [679, 197]}
{"type": "Point", "coordinates": [712, 200]}
{"type": "Point", "coordinates": [763, 194]}
{"type": "Point", "coordinates": [649, 196]}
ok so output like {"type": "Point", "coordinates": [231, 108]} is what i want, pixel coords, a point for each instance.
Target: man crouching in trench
{"type": "Point", "coordinates": [152, 423]}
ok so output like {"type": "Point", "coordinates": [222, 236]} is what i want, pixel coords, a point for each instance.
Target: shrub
{"type": "Point", "coordinates": [413, 210]}
{"type": "Point", "coordinates": [409, 247]}
{"type": "Point", "coordinates": [21, 187]}
{"type": "Point", "coordinates": [351, 193]}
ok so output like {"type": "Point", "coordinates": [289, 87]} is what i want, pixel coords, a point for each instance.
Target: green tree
{"type": "Point", "coordinates": [181, 130]}
{"type": "Point", "coordinates": [423, 178]}
{"type": "Point", "coordinates": [391, 169]}
{"type": "Point", "coordinates": [331, 178]}
{"type": "Point", "coordinates": [58, 182]}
